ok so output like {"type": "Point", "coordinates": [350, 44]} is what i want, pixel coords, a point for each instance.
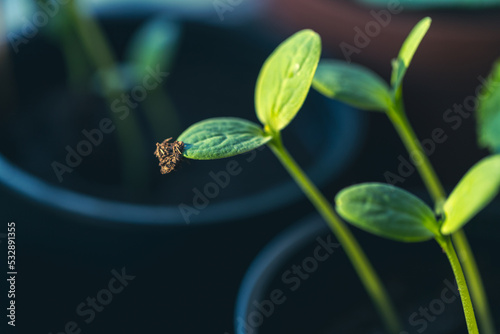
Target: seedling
{"type": "Point", "coordinates": [392, 212]}
{"type": "Point", "coordinates": [99, 54]}
{"type": "Point", "coordinates": [152, 48]}
{"type": "Point", "coordinates": [282, 86]}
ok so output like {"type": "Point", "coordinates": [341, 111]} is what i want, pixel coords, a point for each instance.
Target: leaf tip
{"type": "Point", "coordinates": [427, 20]}
{"type": "Point", "coordinates": [310, 32]}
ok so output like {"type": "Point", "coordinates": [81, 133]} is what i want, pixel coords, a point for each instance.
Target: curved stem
{"type": "Point", "coordinates": [470, 318]}
{"type": "Point", "coordinates": [433, 185]}
{"type": "Point", "coordinates": [353, 250]}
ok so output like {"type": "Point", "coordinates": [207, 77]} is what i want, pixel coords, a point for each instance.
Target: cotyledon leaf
{"type": "Point", "coordinates": [387, 211]}
{"type": "Point", "coordinates": [285, 79]}
{"type": "Point", "coordinates": [408, 49]}
{"type": "Point", "coordinates": [221, 137]}
{"type": "Point", "coordinates": [475, 190]}
{"type": "Point", "coordinates": [352, 84]}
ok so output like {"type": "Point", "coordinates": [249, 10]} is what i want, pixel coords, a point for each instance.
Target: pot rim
{"type": "Point", "coordinates": [339, 149]}
{"type": "Point", "coordinates": [266, 264]}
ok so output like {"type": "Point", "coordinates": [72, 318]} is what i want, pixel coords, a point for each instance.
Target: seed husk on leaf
{"type": "Point", "coordinates": [169, 154]}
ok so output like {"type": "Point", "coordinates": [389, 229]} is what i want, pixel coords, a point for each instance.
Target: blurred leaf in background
{"type": "Point", "coordinates": [488, 112]}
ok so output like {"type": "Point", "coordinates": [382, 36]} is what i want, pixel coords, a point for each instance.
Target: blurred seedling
{"type": "Point", "coordinates": [91, 63]}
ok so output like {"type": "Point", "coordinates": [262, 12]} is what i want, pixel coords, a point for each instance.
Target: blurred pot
{"type": "Point", "coordinates": [302, 282]}
{"type": "Point", "coordinates": [324, 138]}
{"type": "Point", "coordinates": [460, 45]}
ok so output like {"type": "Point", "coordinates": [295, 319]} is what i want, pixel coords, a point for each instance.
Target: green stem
{"type": "Point", "coordinates": [353, 250]}
{"type": "Point", "coordinates": [127, 130]}
{"type": "Point", "coordinates": [470, 318]}
{"type": "Point", "coordinates": [435, 188]}
{"type": "Point", "coordinates": [475, 282]}
{"type": "Point", "coordinates": [424, 167]}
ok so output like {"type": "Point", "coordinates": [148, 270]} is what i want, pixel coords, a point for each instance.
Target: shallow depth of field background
{"type": "Point", "coordinates": [187, 271]}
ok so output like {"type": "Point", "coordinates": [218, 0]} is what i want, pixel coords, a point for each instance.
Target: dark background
{"type": "Point", "coordinates": [187, 277]}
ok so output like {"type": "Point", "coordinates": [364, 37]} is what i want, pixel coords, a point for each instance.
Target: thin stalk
{"type": "Point", "coordinates": [470, 318]}
{"type": "Point", "coordinates": [127, 130]}
{"type": "Point", "coordinates": [475, 282]}
{"type": "Point", "coordinates": [436, 190]}
{"type": "Point", "coordinates": [364, 269]}
{"type": "Point", "coordinates": [424, 167]}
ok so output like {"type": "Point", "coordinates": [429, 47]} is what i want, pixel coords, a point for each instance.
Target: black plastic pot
{"type": "Point", "coordinates": [323, 138]}
{"type": "Point", "coordinates": [223, 13]}
{"type": "Point", "coordinates": [338, 148]}
{"type": "Point", "coordinates": [325, 296]}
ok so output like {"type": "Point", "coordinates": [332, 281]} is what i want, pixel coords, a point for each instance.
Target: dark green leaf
{"type": "Point", "coordinates": [387, 211]}
{"type": "Point", "coordinates": [352, 84]}
{"type": "Point", "coordinates": [223, 137]}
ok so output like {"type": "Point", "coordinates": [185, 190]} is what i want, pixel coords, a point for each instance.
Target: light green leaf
{"type": "Point", "coordinates": [488, 111]}
{"type": "Point", "coordinates": [223, 137]}
{"type": "Point", "coordinates": [387, 211]}
{"type": "Point", "coordinates": [410, 45]}
{"type": "Point", "coordinates": [352, 84]}
{"type": "Point", "coordinates": [475, 190]}
{"type": "Point", "coordinates": [285, 79]}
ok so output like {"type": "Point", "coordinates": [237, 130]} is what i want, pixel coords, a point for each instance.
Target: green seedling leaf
{"type": "Point", "coordinates": [223, 137]}
{"type": "Point", "coordinates": [285, 79]}
{"type": "Point", "coordinates": [153, 46]}
{"type": "Point", "coordinates": [410, 45]}
{"type": "Point", "coordinates": [475, 190]}
{"type": "Point", "coordinates": [353, 84]}
{"type": "Point", "coordinates": [387, 211]}
{"type": "Point", "coordinates": [488, 111]}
